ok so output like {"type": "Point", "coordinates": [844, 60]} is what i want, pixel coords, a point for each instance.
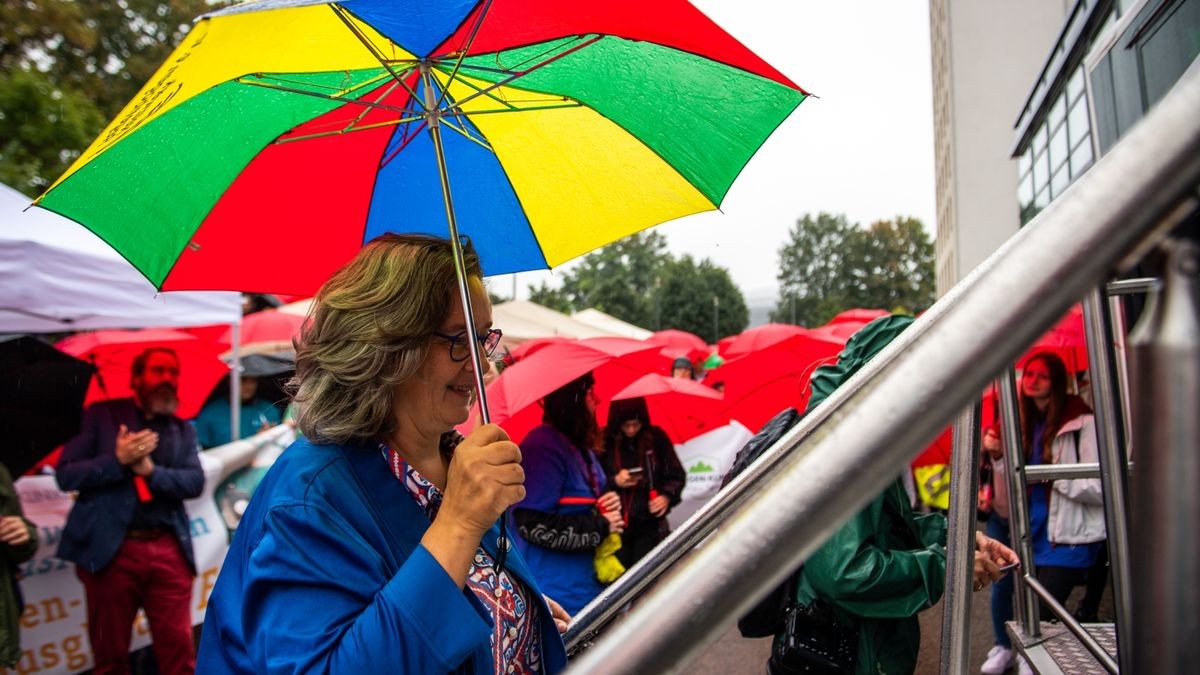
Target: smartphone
{"type": "Point", "coordinates": [635, 471]}
{"type": "Point", "coordinates": [1006, 568]}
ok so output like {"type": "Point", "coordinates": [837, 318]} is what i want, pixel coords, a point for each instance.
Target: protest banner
{"type": "Point", "coordinates": [54, 623]}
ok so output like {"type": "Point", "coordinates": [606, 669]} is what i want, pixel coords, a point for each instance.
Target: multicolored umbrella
{"type": "Point", "coordinates": [305, 129]}
{"type": "Point", "coordinates": [297, 128]}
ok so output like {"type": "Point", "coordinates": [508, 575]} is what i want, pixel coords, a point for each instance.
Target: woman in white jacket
{"type": "Point", "coordinates": [1066, 517]}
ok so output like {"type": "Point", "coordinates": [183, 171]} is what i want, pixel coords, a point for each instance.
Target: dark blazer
{"type": "Point", "coordinates": [107, 496]}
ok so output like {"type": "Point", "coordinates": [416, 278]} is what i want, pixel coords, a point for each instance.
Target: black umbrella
{"type": "Point", "coordinates": [41, 400]}
{"type": "Point", "coordinates": [268, 365]}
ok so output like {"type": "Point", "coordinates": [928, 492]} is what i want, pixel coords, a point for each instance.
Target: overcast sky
{"type": "Point", "coordinates": [863, 148]}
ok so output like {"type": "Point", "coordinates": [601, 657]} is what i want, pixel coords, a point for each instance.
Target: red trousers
{"type": "Point", "coordinates": [151, 574]}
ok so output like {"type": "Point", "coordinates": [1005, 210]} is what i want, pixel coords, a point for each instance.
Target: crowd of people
{"type": "Point", "coordinates": [385, 536]}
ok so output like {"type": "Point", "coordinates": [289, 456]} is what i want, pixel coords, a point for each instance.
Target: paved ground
{"type": "Point", "coordinates": [731, 653]}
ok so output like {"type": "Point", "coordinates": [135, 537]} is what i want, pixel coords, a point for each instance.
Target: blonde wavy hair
{"type": "Point", "coordinates": [368, 330]}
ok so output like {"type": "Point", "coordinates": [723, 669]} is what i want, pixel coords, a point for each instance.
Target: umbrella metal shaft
{"type": "Point", "coordinates": [460, 266]}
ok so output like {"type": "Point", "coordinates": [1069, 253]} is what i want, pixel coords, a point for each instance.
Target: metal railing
{"type": "Point", "coordinates": [859, 441]}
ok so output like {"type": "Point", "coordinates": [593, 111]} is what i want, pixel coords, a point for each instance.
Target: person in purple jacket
{"type": "Point", "coordinates": [566, 512]}
{"type": "Point", "coordinates": [372, 545]}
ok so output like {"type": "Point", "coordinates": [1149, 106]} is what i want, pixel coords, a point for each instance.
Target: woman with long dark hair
{"type": "Point", "coordinates": [1066, 517]}
{"type": "Point", "coordinates": [566, 511]}
{"type": "Point", "coordinates": [641, 463]}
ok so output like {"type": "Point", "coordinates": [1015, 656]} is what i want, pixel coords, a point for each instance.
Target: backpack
{"type": "Point", "coordinates": [767, 617]}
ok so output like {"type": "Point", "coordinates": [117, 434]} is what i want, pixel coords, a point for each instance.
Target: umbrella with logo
{"type": "Point", "coordinates": [547, 129]}
{"type": "Point", "coordinates": [300, 128]}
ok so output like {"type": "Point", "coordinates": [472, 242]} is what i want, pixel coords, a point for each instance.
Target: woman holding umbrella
{"type": "Point", "coordinates": [374, 540]}
{"type": "Point", "coordinates": [566, 513]}
{"type": "Point", "coordinates": [640, 461]}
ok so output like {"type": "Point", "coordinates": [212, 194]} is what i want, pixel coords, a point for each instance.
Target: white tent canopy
{"type": "Point", "coordinates": [608, 322]}
{"type": "Point", "coordinates": [56, 275]}
{"type": "Point", "coordinates": [523, 320]}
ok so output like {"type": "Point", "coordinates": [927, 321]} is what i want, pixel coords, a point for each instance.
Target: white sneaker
{"type": "Point", "coordinates": [1023, 667]}
{"type": "Point", "coordinates": [998, 660]}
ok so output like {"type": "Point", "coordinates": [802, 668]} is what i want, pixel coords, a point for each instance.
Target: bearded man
{"type": "Point", "coordinates": [133, 463]}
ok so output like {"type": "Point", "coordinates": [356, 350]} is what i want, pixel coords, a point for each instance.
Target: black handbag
{"type": "Point", "coordinates": [813, 642]}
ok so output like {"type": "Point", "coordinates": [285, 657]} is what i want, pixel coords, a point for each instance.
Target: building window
{"type": "Point", "coordinates": [1059, 151]}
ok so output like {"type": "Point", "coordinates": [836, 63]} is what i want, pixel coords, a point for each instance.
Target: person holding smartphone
{"type": "Point", "coordinates": [642, 467]}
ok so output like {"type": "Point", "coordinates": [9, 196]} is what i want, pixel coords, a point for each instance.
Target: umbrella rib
{"type": "Point", "coordinates": [357, 32]}
{"type": "Point", "coordinates": [462, 53]}
{"type": "Point", "coordinates": [363, 113]}
{"type": "Point", "coordinates": [404, 141]}
{"type": "Point", "coordinates": [523, 73]}
{"type": "Point", "coordinates": [328, 97]}
{"type": "Point", "coordinates": [461, 129]}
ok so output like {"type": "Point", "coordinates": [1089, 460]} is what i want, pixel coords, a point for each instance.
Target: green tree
{"type": "Point", "coordinates": [829, 265]}
{"type": "Point", "coordinates": [90, 57]}
{"type": "Point", "coordinates": [637, 280]}
{"type": "Point", "coordinates": [618, 279]}
{"type": "Point", "coordinates": [42, 128]}
{"type": "Point", "coordinates": [897, 266]}
{"type": "Point", "coordinates": [812, 264]}
{"type": "Point", "coordinates": [554, 298]}
{"type": "Point", "coordinates": [701, 298]}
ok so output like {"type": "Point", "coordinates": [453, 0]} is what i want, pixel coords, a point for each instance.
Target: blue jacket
{"type": "Point", "coordinates": [107, 496]}
{"type": "Point", "coordinates": [554, 469]}
{"type": "Point", "coordinates": [326, 573]}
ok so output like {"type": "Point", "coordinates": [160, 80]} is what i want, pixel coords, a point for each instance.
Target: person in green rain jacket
{"type": "Point", "coordinates": [886, 563]}
{"type": "Point", "coordinates": [18, 543]}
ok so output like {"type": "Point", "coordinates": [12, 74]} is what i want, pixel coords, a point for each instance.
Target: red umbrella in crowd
{"type": "Point", "coordinates": [931, 468]}
{"type": "Point", "coordinates": [514, 396]}
{"type": "Point", "coordinates": [530, 346]}
{"type": "Point", "coordinates": [859, 316]}
{"type": "Point", "coordinates": [683, 408]}
{"type": "Point", "coordinates": [759, 338]}
{"type": "Point", "coordinates": [676, 343]}
{"type": "Point", "coordinates": [762, 382]}
{"type": "Point", "coordinates": [1067, 339]}
{"type": "Point", "coordinates": [113, 351]}
{"type": "Point", "coordinates": [267, 331]}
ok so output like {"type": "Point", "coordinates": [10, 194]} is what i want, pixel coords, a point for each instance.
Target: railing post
{"type": "Point", "coordinates": [1166, 424]}
{"type": "Point", "coordinates": [960, 542]}
{"type": "Point", "coordinates": [1027, 609]}
{"type": "Point", "coordinates": [1110, 434]}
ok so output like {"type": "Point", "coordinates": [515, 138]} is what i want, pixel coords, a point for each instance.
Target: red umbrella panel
{"type": "Point", "coordinates": [530, 346]}
{"type": "Point", "coordinates": [857, 315]}
{"type": "Point", "coordinates": [1066, 339]}
{"type": "Point", "coordinates": [267, 331]}
{"type": "Point", "coordinates": [760, 384]}
{"type": "Point", "coordinates": [678, 343]}
{"type": "Point", "coordinates": [758, 338]}
{"type": "Point", "coordinates": [682, 408]}
{"type": "Point", "coordinates": [514, 396]}
{"type": "Point", "coordinates": [113, 351]}
{"type": "Point", "coordinates": [931, 468]}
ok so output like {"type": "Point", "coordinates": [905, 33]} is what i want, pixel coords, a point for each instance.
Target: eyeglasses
{"type": "Point", "coordinates": [460, 350]}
